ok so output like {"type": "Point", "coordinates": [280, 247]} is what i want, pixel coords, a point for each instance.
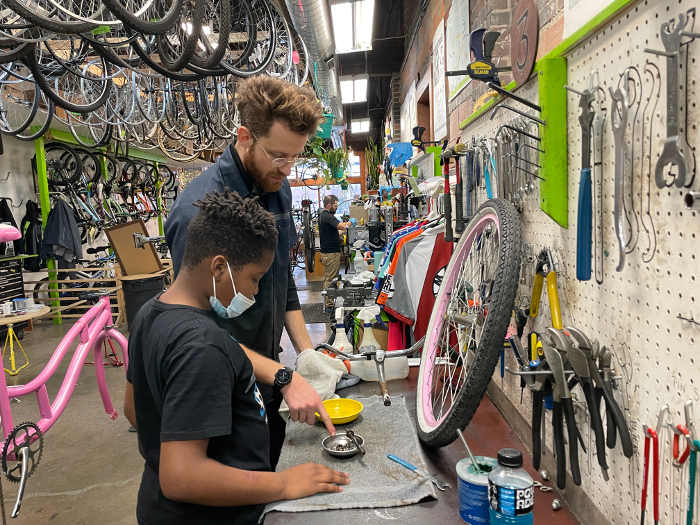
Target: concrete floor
{"type": "Point", "coordinates": [90, 469]}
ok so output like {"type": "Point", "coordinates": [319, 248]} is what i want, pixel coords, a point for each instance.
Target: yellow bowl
{"type": "Point", "coordinates": [342, 410]}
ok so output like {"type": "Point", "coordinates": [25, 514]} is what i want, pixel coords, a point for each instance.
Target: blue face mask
{"type": "Point", "coordinates": [239, 304]}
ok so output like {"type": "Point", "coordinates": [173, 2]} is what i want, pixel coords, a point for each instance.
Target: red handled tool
{"type": "Point", "coordinates": [650, 437]}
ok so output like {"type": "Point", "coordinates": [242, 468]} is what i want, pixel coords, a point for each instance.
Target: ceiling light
{"type": "Point", "coordinates": [353, 89]}
{"type": "Point", "coordinates": [352, 25]}
{"type": "Point", "coordinates": [359, 126]}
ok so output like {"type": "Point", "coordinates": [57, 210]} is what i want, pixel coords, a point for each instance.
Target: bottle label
{"type": "Point", "coordinates": [511, 502]}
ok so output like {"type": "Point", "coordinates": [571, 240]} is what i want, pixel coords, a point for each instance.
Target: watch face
{"type": "Point", "coordinates": [283, 376]}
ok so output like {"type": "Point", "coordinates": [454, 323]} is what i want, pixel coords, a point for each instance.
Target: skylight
{"type": "Point", "coordinates": [359, 126]}
{"type": "Point", "coordinates": [352, 25]}
{"type": "Point", "coordinates": [353, 89]}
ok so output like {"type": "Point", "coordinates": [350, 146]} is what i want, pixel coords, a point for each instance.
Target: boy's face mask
{"type": "Point", "coordinates": [239, 304]}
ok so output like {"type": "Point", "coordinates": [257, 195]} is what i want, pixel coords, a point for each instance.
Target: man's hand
{"type": "Point", "coordinates": [311, 478]}
{"type": "Point", "coordinates": [303, 401]}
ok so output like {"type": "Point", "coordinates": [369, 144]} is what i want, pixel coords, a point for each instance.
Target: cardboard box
{"type": "Point", "coordinates": [360, 214]}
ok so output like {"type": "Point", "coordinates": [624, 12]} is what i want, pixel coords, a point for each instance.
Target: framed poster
{"type": "Point", "coordinates": [457, 44]}
{"type": "Point", "coordinates": [408, 114]}
{"type": "Point", "coordinates": [439, 84]}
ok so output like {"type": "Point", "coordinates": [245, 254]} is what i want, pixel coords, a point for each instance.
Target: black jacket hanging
{"type": "Point", "coordinates": [6, 216]}
{"type": "Point", "coordinates": [32, 235]}
{"type": "Point", "coordinates": [61, 235]}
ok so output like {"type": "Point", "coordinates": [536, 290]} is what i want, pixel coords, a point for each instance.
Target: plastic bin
{"type": "Point", "coordinates": [137, 292]}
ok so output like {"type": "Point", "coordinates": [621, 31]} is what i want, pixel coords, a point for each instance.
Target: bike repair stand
{"type": "Point", "coordinates": [11, 338]}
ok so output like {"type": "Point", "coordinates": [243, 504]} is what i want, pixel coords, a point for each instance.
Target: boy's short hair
{"type": "Point", "coordinates": [230, 225]}
{"type": "Point", "coordinates": [261, 100]}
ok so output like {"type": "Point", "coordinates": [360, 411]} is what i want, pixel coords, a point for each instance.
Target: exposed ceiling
{"type": "Point", "coordinates": [385, 58]}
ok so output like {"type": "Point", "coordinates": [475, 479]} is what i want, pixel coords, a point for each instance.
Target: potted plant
{"type": "Point", "coordinates": [336, 162]}
{"type": "Point", "coordinates": [374, 157]}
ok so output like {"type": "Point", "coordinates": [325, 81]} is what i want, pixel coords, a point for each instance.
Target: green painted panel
{"type": "Point", "coordinates": [554, 199]}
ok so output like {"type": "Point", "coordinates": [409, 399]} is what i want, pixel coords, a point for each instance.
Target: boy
{"type": "Point", "coordinates": [191, 391]}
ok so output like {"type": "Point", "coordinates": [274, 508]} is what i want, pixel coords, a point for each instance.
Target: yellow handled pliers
{"type": "Point", "coordinates": [545, 270]}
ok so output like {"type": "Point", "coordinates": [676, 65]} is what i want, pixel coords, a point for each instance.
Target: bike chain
{"type": "Point", "coordinates": [27, 440]}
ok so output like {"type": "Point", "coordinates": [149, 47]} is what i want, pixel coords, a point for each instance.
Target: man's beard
{"type": "Point", "coordinates": [263, 180]}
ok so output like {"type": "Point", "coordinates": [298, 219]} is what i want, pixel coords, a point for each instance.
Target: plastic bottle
{"type": "Point", "coordinates": [511, 491]}
{"type": "Point", "coordinates": [341, 341]}
{"type": "Point", "coordinates": [394, 367]}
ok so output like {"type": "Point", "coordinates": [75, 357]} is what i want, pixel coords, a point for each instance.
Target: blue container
{"type": "Point", "coordinates": [474, 490]}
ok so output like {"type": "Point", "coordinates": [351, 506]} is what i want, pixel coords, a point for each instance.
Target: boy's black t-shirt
{"type": "Point", "coordinates": [193, 381]}
{"type": "Point", "coordinates": [328, 230]}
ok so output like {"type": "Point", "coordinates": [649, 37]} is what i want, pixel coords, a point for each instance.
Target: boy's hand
{"type": "Point", "coordinates": [303, 402]}
{"type": "Point", "coordinates": [311, 478]}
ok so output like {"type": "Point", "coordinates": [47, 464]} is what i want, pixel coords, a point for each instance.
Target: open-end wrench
{"type": "Point", "coordinates": [674, 145]}
{"type": "Point", "coordinates": [598, 127]}
{"type": "Point", "coordinates": [652, 70]}
{"type": "Point", "coordinates": [632, 78]}
{"type": "Point", "coordinates": [619, 125]}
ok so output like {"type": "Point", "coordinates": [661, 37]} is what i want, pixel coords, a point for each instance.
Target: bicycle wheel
{"type": "Point", "coordinates": [468, 323]}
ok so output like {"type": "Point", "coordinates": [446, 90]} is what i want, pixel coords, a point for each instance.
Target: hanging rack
{"type": "Point", "coordinates": [12, 202]}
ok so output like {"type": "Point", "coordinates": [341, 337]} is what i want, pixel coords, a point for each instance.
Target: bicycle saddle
{"type": "Point", "coordinates": [9, 233]}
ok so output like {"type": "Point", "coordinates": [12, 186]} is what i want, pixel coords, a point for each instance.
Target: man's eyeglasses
{"type": "Point", "coordinates": [277, 162]}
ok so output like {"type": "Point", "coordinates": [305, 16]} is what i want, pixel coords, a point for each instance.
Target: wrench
{"type": "Point", "coordinates": [672, 153]}
{"type": "Point", "coordinates": [598, 126]}
{"type": "Point", "coordinates": [619, 126]}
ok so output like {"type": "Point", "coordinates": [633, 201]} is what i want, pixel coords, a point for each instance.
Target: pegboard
{"type": "Point", "coordinates": [633, 312]}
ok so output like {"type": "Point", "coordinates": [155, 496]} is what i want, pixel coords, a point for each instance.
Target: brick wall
{"type": "Point", "coordinates": [492, 14]}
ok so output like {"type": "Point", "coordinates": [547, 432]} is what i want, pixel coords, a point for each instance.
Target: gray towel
{"type": "Point", "coordinates": [375, 481]}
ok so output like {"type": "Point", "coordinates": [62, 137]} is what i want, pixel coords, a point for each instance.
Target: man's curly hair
{"type": "Point", "coordinates": [229, 225]}
{"type": "Point", "coordinates": [261, 100]}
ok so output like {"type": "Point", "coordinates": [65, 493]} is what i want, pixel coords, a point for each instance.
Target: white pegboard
{"type": "Point", "coordinates": [634, 312]}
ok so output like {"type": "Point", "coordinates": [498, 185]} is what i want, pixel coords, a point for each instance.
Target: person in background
{"type": "Point", "coordinates": [277, 118]}
{"type": "Point", "coordinates": [330, 229]}
{"type": "Point", "coordinates": [191, 389]}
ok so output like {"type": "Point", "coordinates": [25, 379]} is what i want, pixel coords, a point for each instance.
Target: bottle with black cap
{"type": "Point", "coordinates": [511, 491]}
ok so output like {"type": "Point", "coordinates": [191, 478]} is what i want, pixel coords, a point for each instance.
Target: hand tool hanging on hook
{"type": "Point", "coordinates": [563, 408]}
{"type": "Point", "coordinates": [619, 125]}
{"type": "Point", "coordinates": [579, 362]}
{"type": "Point", "coordinates": [598, 127]}
{"type": "Point", "coordinates": [459, 198]}
{"type": "Point", "coordinates": [675, 147]}
{"type": "Point", "coordinates": [447, 197]}
{"type": "Point", "coordinates": [651, 441]}
{"type": "Point", "coordinates": [585, 198]}
{"type": "Point", "coordinates": [635, 100]}
{"type": "Point", "coordinates": [647, 221]}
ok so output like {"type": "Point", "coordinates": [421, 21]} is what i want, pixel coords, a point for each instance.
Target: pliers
{"type": "Point", "coordinates": [579, 362]}
{"type": "Point", "coordinates": [616, 422]}
{"type": "Point", "coordinates": [541, 388]}
{"type": "Point", "coordinates": [651, 440]}
{"type": "Point", "coordinates": [545, 269]}
{"type": "Point", "coordinates": [563, 408]}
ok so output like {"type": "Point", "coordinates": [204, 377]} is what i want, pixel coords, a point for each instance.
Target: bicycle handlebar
{"type": "Point", "coordinates": [370, 353]}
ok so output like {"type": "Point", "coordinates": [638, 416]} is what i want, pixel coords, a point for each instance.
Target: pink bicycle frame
{"type": "Point", "coordinates": [92, 328]}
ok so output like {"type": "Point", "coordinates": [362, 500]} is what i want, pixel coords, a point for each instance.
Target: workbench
{"type": "Point", "coordinates": [486, 434]}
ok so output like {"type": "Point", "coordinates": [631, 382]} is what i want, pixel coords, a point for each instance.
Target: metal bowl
{"type": "Point", "coordinates": [349, 449]}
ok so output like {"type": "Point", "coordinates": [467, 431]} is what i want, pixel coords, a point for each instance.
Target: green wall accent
{"type": "Point", "coordinates": [554, 199]}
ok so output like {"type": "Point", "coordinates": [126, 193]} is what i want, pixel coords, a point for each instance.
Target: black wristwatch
{"type": "Point", "coordinates": [283, 377]}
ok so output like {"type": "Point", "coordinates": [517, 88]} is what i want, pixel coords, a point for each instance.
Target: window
{"type": "Point", "coordinates": [355, 36]}
{"type": "Point", "coordinates": [353, 89]}
{"type": "Point", "coordinates": [360, 126]}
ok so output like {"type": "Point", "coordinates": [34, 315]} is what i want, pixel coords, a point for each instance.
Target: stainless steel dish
{"type": "Point", "coordinates": [341, 446]}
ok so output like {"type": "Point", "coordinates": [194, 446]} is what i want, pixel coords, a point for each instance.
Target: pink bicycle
{"type": "Point", "coordinates": [23, 443]}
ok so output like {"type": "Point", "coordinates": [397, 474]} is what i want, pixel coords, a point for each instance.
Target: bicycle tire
{"type": "Point", "coordinates": [152, 27]}
{"type": "Point", "coordinates": [211, 58]}
{"type": "Point", "coordinates": [173, 59]}
{"type": "Point", "coordinates": [50, 107]}
{"type": "Point", "coordinates": [70, 166]}
{"type": "Point", "coordinates": [261, 16]}
{"type": "Point", "coordinates": [52, 24]}
{"type": "Point", "coordinates": [492, 314]}
{"type": "Point", "coordinates": [158, 68]}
